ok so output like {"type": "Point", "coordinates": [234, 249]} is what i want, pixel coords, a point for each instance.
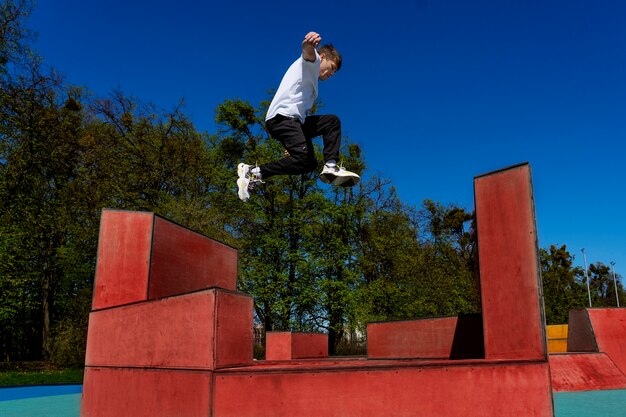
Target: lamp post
{"type": "Point", "coordinates": [615, 283]}
{"type": "Point", "coordinates": [586, 276]}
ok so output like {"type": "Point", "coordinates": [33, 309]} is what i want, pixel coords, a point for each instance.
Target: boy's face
{"type": "Point", "coordinates": [327, 68]}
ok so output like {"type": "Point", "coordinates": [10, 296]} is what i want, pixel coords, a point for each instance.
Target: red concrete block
{"type": "Point", "coordinates": [585, 372]}
{"type": "Point", "coordinates": [609, 326]}
{"type": "Point", "coordinates": [428, 338]}
{"type": "Point", "coordinates": [184, 261]}
{"type": "Point", "coordinates": [512, 303]}
{"type": "Point", "coordinates": [439, 338]}
{"type": "Point", "coordinates": [281, 346]}
{"type": "Point", "coordinates": [117, 392]}
{"type": "Point", "coordinates": [203, 330]}
{"type": "Point", "coordinates": [386, 388]}
{"type": "Point", "coordinates": [142, 256]}
{"type": "Point", "coordinates": [599, 330]}
{"type": "Point", "coordinates": [123, 262]}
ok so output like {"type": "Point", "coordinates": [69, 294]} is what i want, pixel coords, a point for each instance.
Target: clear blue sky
{"type": "Point", "coordinates": [435, 91]}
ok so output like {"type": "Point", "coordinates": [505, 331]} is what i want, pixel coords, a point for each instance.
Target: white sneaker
{"type": "Point", "coordinates": [339, 176]}
{"type": "Point", "coordinates": [246, 181]}
{"type": "Point", "coordinates": [243, 181]}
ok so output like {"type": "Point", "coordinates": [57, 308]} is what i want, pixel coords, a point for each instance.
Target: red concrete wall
{"type": "Point", "coordinates": [122, 268]}
{"type": "Point", "coordinates": [278, 346]}
{"type": "Point", "coordinates": [207, 330]}
{"type": "Point", "coordinates": [512, 305]}
{"type": "Point", "coordinates": [184, 261]}
{"type": "Point", "coordinates": [114, 392]}
{"type": "Point", "coordinates": [609, 327]}
{"type": "Point", "coordinates": [142, 256]}
{"type": "Point", "coordinates": [444, 338]}
{"type": "Point", "coordinates": [288, 345]}
{"type": "Point", "coordinates": [391, 388]}
{"type": "Point", "coordinates": [191, 354]}
{"type": "Point", "coordinates": [428, 338]}
{"type": "Point", "coordinates": [585, 372]}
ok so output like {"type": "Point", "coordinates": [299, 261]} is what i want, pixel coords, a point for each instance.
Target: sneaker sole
{"type": "Point", "coordinates": [347, 181]}
{"type": "Point", "coordinates": [328, 178]}
{"type": "Point", "coordinates": [243, 193]}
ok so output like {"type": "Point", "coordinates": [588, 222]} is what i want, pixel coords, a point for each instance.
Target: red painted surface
{"type": "Point", "coordinates": [201, 342]}
{"type": "Point", "coordinates": [585, 372]}
{"type": "Point", "coordinates": [206, 329]}
{"type": "Point", "coordinates": [281, 346]}
{"type": "Point", "coordinates": [234, 342]}
{"type": "Point", "coordinates": [114, 392]}
{"type": "Point", "coordinates": [386, 388]}
{"type": "Point", "coordinates": [184, 261]}
{"type": "Point", "coordinates": [278, 346]}
{"type": "Point", "coordinates": [142, 256]}
{"type": "Point", "coordinates": [123, 258]}
{"type": "Point", "coordinates": [609, 327]}
{"type": "Point", "coordinates": [428, 338]}
{"type": "Point", "coordinates": [514, 326]}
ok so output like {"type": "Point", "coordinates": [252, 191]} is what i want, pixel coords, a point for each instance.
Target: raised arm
{"type": "Point", "coordinates": [310, 42]}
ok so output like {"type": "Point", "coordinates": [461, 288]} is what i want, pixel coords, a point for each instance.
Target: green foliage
{"type": "Point", "coordinates": [70, 342]}
{"type": "Point", "coordinates": [13, 34]}
{"type": "Point", "coordinates": [565, 286]}
{"type": "Point", "coordinates": [562, 289]}
{"type": "Point", "coordinates": [414, 274]}
{"type": "Point", "coordinates": [602, 286]}
{"type": "Point", "coordinates": [39, 374]}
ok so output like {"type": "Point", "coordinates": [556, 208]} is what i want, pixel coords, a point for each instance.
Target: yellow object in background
{"type": "Point", "coordinates": [557, 338]}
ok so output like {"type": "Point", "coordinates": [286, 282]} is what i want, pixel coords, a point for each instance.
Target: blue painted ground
{"type": "Point", "coordinates": [64, 401]}
{"type": "Point", "coordinates": [41, 401]}
{"type": "Point", "coordinates": [590, 404]}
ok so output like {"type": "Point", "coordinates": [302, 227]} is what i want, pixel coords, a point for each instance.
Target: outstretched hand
{"type": "Point", "coordinates": [312, 38]}
{"type": "Point", "coordinates": [310, 42]}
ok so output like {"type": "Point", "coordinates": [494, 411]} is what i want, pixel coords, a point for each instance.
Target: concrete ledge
{"type": "Point", "coordinates": [363, 388]}
{"type": "Point", "coordinates": [439, 338]}
{"type": "Point", "coordinates": [117, 392]}
{"type": "Point", "coordinates": [288, 345]}
{"type": "Point", "coordinates": [202, 330]}
{"type": "Point", "coordinates": [142, 256]}
{"type": "Point", "coordinates": [585, 372]}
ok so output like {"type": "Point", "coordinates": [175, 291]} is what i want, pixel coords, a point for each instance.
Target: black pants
{"type": "Point", "coordinates": [297, 138]}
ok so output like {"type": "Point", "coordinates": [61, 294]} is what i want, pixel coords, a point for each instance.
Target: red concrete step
{"type": "Point", "coordinates": [346, 388]}
{"type": "Point", "coordinates": [119, 392]}
{"type": "Point", "coordinates": [599, 330]}
{"type": "Point", "coordinates": [385, 388]}
{"type": "Point", "coordinates": [585, 372]}
{"type": "Point", "coordinates": [280, 346]}
{"type": "Point", "coordinates": [142, 256]}
{"type": "Point", "coordinates": [203, 330]}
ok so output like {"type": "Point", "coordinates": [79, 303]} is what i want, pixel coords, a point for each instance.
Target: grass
{"type": "Point", "coordinates": [37, 373]}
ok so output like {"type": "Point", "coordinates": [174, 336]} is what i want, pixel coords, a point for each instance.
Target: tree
{"type": "Point", "coordinates": [602, 286]}
{"type": "Point", "coordinates": [33, 160]}
{"type": "Point", "coordinates": [36, 188]}
{"type": "Point", "coordinates": [562, 288]}
{"type": "Point", "coordinates": [417, 264]}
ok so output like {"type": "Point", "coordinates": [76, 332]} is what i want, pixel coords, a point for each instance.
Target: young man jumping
{"type": "Point", "coordinates": [288, 122]}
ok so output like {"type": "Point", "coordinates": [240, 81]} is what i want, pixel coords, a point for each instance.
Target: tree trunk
{"type": "Point", "coordinates": [45, 309]}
